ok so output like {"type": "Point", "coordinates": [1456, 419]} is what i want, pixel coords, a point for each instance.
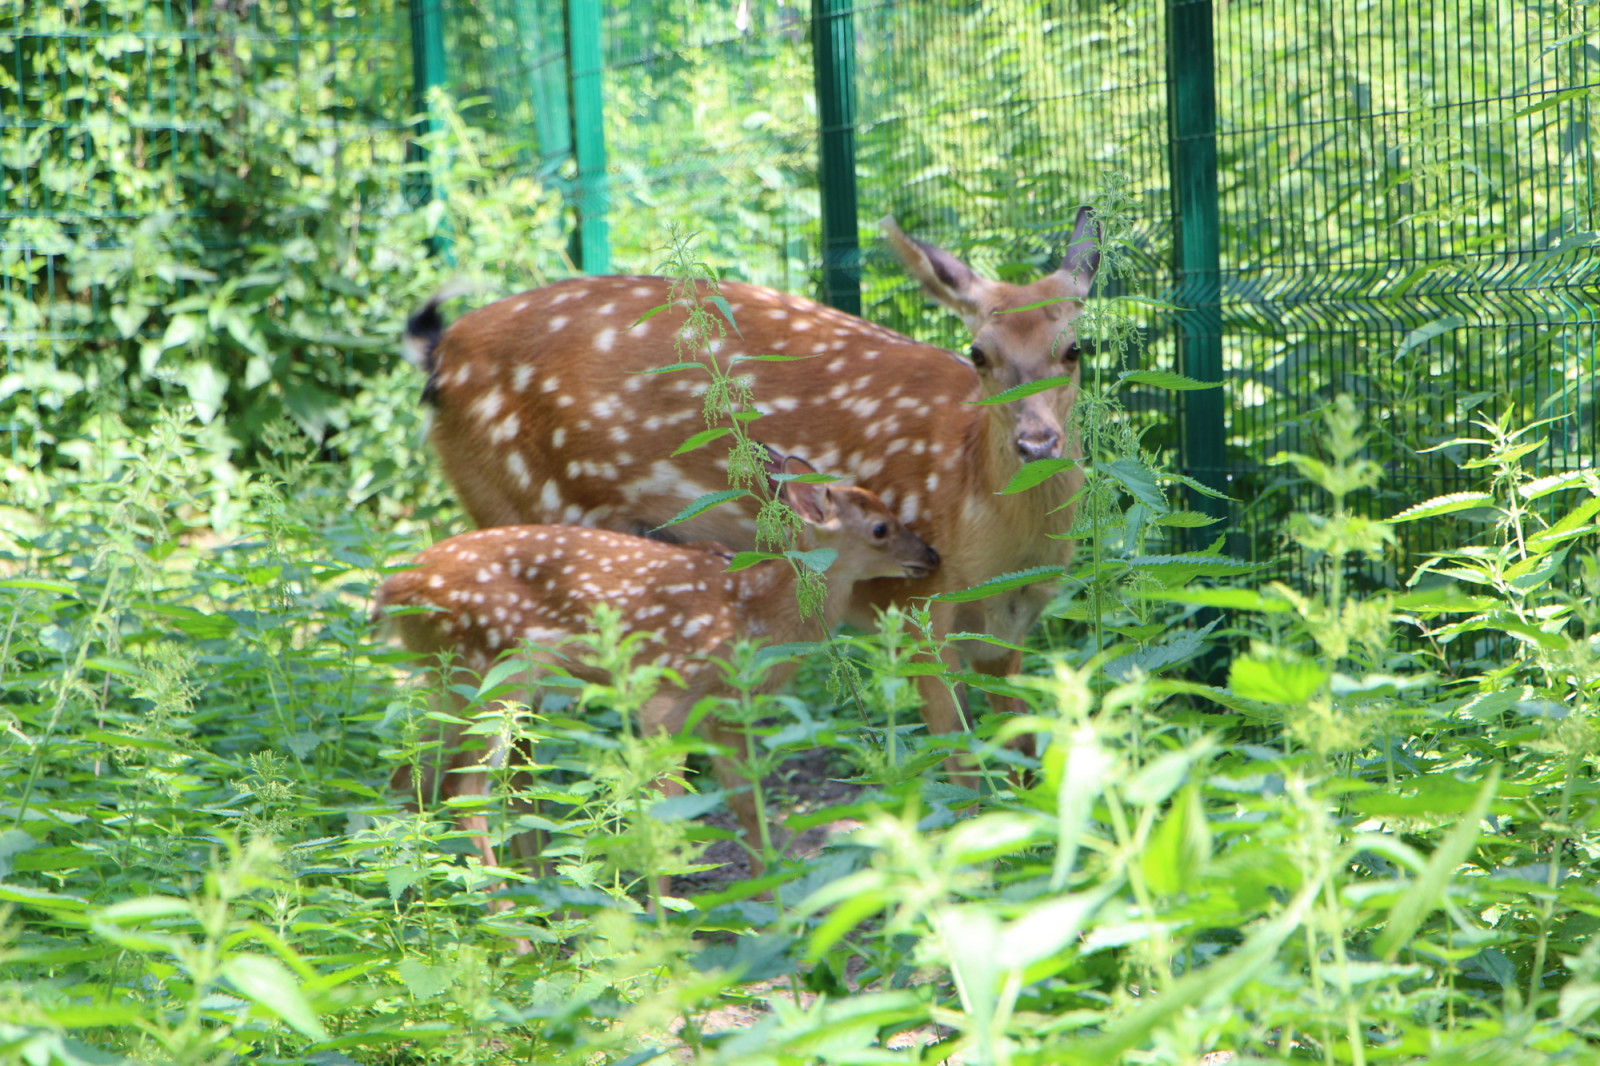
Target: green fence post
{"type": "Point", "coordinates": [834, 55]}
{"type": "Point", "coordinates": [1192, 129]}
{"type": "Point", "coordinates": [592, 244]}
{"type": "Point", "coordinates": [427, 73]}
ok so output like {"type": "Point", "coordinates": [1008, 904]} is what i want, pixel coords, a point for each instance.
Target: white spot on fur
{"type": "Point", "coordinates": [558, 323]}
{"type": "Point", "coordinates": [558, 437]}
{"type": "Point", "coordinates": [604, 339]}
{"type": "Point", "coordinates": [521, 376]}
{"type": "Point", "coordinates": [518, 468]}
{"type": "Point", "coordinates": [489, 404]}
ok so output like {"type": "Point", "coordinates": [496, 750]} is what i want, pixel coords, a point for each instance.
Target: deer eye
{"type": "Point", "coordinates": [1073, 353]}
{"type": "Point", "coordinates": [880, 531]}
{"type": "Point", "coordinates": [978, 358]}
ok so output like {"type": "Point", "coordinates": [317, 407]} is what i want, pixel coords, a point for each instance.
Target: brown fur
{"type": "Point", "coordinates": [543, 416]}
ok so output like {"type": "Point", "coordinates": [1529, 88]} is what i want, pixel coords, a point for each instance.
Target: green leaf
{"type": "Point", "coordinates": [1441, 505]}
{"type": "Point", "coordinates": [1204, 490]}
{"type": "Point", "coordinates": [1544, 486]}
{"type": "Point", "coordinates": [1186, 520]}
{"type": "Point", "coordinates": [1026, 389]}
{"type": "Point", "coordinates": [1164, 379]}
{"type": "Point", "coordinates": [421, 980]}
{"type": "Point", "coordinates": [817, 559]}
{"type": "Point", "coordinates": [1428, 890]}
{"type": "Point", "coordinates": [1228, 599]}
{"type": "Point", "coordinates": [1137, 479]}
{"type": "Point", "coordinates": [1425, 333]}
{"type": "Point", "coordinates": [1176, 569]}
{"type": "Point", "coordinates": [180, 331]}
{"type": "Point", "coordinates": [206, 387]}
{"type": "Point", "coordinates": [704, 504]}
{"type": "Point", "coordinates": [1033, 306]}
{"type": "Point", "coordinates": [268, 983]}
{"type": "Point", "coordinates": [648, 315]}
{"type": "Point", "coordinates": [671, 367]}
{"type": "Point", "coordinates": [704, 437]}
{"type": "Point", "coordinates": [720, 302]}
{"type": "Point", "coordinates": [1003, 583]}
{"type": "Point", "coordinates": [500, 673]}
{"type": "Point", "coordinates": [1033, 473]}
{"type": "Point", "coordinates": [1552, 101]}
{"type": "Point", "coordinates": [1282, 681]}
{"type": "Point", "coordinates": [39, 585]}
{"type": "Point", "coordinates": [745, 560]}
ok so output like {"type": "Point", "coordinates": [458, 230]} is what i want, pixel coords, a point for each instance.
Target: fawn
{"type": "Point", "coordinates": [495, 591]}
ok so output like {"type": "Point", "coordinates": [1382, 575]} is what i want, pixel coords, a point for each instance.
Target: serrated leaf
{"type": "Point", "coordinates": [720, 302]}
{"type": "Point", "coordinates": [1287, 682]}
{"type": "Point", "coordinates": [1033, 306]}
{"type": "Point", "coordinates": [39, 585]}
{"type": "Point", "coordinates": [1138, 479]}
{"type": "Point", "coordinates": [1033, 473]}
{"type": "Point", "coordinates": [1003, 583]}
{"type": "Point", "coordinates": [1027, 388]}
{"type": "Point", "coordinates": [1228, 599]}
{"type": "Point", "coordinates": [1165, 379]}
{"type": "Point", "coordinates": [1189, 565]}
{"type": "Point", "coordinates": [499, 673]}
{"type": "Point", "coordinates": [1425, 333]}
{"type": "Point", "coordinates": [745, 560]}
{"type": "Point", "coordinates": [648, 315]}
{"type": "Point", "coordinates": [671, 367]}
{"type": "Point", "coordinates": [702, 505]}
{"type": "Point", "coordinates": [704, 437]}
{"type": "Point", "coordinates": [817, 559]}
{"type": "Point", "coordinates": [1544, 486]}
{"type": "Point", "coordinates": [1431, 884]}
{"type": "Point", "coordinates": [270, 984]}
{"type": "Point", "coordinates": [1186, 520]}
{"type": "Point", "coordinates": [1440, 505]}
{"type": "Point", "coordinates": [806, 479]}
{"type": "Point", "coordinates": [1204, 490]}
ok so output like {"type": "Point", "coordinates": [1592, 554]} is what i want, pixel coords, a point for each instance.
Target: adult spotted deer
{"type": "Point", "coordinates": [542, 414]}
{"type": "Point", "coordinates": [494, 590]}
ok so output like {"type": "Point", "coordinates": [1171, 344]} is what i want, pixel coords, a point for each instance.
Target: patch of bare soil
{"type": "Point", "coordinates": [808, 781]}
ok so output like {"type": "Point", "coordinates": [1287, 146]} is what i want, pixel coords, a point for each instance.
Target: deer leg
{"type": "Point", "coordinates": [665, 712]}
{"type": "Point", "coordinates": [1003, 667]}
{"type": "Point", "coordinates": [736, 782]}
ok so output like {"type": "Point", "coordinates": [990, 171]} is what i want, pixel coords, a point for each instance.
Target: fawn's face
{"type": "Point", "coordinates": [870, 540]}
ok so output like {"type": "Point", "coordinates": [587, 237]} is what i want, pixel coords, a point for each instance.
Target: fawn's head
{"type": "Point", "coordinates": [1012, 347]}
{"type": "Point", "coordinates": [870, 540]}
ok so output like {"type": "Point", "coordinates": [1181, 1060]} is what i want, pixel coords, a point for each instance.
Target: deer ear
{"type": "Point", "coordinates": [946, 278]}
{"type": "Point", "coordinates": [1082, 260]}
{"type": "Point", "coordinates": [814, 503]}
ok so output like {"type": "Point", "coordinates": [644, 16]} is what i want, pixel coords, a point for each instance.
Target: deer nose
{"type": "Point", "coordinates": [931, 556]}
{"type": "Point", "coordinates": [1047, 446]}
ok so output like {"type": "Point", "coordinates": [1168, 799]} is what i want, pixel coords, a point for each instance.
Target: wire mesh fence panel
{"type": "Point", "coordinates": [982, 127]}
{"type": "Point", "coordinates": [710, 130]}
{"type": "Point", "coordinates": [1406, 202]}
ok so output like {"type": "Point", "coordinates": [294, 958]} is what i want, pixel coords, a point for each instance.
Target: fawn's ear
{"type": "Point", "coordinates": [814, 503]}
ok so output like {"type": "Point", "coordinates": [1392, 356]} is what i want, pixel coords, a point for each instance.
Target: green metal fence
{"type": "Point", "coordinates": [1393, 200]}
